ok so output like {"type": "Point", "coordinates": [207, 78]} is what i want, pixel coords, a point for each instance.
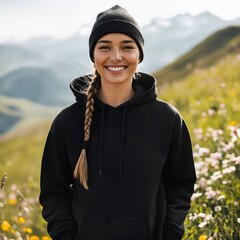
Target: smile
{"type": "Point", "coordinates": [116, 69]}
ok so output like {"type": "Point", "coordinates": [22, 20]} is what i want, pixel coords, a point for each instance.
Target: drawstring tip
{"type": "Point", "coordinates": [100, 172]}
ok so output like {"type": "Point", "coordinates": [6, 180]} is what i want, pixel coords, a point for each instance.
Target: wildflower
{"type": "Point", "coordinates": [238, 220]}
{"type": "Point", "coordinates": [203, 237]}
{"type": "Point", "coordinates": [12, 231]}
{"type": "Point", "coordinates": [218, 208]}
{"type": "Point", "coordinates": [34, 238]}
{"type": "Point", "coordinates": [232, 123]}
{"type": "Point", "coordinates": [235, 203]}
{"type": "Point", "coordinates": [229, 170]}
{"type": "Point", "coordinates": [6, 226]}
{"type": "Point", "coordinates": [21, 220]}
{"type": "Point", "coordinates": [202, 224]}
{"type": "Point", "coordinates": [45, 238]}
{"type": "Point", "coordinates": [12, 201]}
{"type": "Point", "coordinates": [27, 230]}
{"type": "Point", "coordinates": [232, 93]}
{"type": "Point", "coordinates": [202, 182]}
{"type": "Point", "coordinates": [203, 150]}
{"type": "Point", "coordinates": [221, 196]}
{"type": "Point", "coordinates": [216, 175]}
{"type": "Point", "coordinates": [196, 195]}
{"type": "Point", "coordinates": [223, 85]}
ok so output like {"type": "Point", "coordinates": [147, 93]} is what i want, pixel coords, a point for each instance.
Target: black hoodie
{"type": "Point", "coordinates": [140, 168]}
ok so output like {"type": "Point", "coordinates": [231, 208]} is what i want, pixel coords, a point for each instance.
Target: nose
{"type": "Point", "coordinates": [116, 55]}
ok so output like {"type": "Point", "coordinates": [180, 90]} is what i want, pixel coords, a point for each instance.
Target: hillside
{"type": "Point", "coordinates": [39, 85]}
{"type": "Point", "coordinates": [206, 54]}
{"type": "Point", "coordinates": [20, 114]}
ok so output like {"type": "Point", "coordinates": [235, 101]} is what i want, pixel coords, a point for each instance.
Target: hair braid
{"type": "Point", "coordinates": [81, 169]}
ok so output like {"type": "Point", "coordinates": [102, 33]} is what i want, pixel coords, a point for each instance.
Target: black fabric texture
{"type": "Point", "coordinates": [140, 168]}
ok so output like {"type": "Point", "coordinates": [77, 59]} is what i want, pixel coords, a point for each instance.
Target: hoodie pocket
{"type": "Point", "coordinates": [113, 229]}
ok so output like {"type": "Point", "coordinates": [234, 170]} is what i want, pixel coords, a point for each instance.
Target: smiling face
{"type": "Point", "coordinates": [116, 58]}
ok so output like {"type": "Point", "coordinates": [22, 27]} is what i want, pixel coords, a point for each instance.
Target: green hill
{"type": "Point", "coordinates": [19, 114]}
{"type": "Point", "coordinates": [204, 55]}
{"type": "Point", "coordinates": [208, 94]}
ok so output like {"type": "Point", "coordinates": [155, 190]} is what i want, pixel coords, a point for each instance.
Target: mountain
{"type": "Point", "coordinates": [204, 55]}
{"type": "Point", "coordinates": [166, 40]}
{"type": "Point", "coordinates": [41, 69]}
{"type": "Point", "coordinates": [17, 114]}
{"type": "Point", "coordinates": [16, 56]}
{"type": "Point", "coordinates": [39, 85]}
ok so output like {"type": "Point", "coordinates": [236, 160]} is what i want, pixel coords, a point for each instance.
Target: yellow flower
{"type": "Point", "coordinates": [232, 93]}
{"type": "Point", "coordinates": [21, 220]}
{"type": "Point", "coordinates": [27, 230]}
{"type": "Point", "coordinates": [233, 123]}
{"type": "Point", "coordinates": [6, 226]}
{"type": "Point", "coordinates": [203, 237]}
{"type": "Point", "coordinates": [34, 238]}
{"type": "Point", "coordinates": [12, 201]}
{"type": "Point", "coordinates": [12, 231]}
{"type": "Point", "coordinates": [46, 238]}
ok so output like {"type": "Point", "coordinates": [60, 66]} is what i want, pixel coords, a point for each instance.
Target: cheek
{"type": "Point", "coordinates": [134, 58]}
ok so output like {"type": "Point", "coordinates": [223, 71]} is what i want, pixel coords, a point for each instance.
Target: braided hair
{"type": "Point", "coordinates": [81, 169]}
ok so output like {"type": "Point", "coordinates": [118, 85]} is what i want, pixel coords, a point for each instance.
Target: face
{"type": "Point", "coordinates": [116, 58]}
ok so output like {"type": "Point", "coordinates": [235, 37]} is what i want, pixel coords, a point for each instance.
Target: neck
{"type": "Point", "coordinates": [114, 95]}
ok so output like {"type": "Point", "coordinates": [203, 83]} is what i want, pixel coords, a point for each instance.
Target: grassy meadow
{"type": "Point", "coordinates": [208, 98]}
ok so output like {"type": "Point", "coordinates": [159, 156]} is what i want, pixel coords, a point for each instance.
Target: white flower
{"type": "Point", "coordinates": [218, 208]}
{"type": "Point", "coordinates": [202, 224]}
{"type": "Point", "coordinates": [229, 170]}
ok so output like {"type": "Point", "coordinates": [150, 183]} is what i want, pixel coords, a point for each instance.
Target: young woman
{"type": "Point", "coordinates": [117, 164]}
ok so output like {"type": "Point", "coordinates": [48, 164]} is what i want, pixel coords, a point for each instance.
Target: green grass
{"type": "Point", "coordinates": [208, 99]}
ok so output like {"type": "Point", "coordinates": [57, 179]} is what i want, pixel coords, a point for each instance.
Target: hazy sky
{"type": "Point", "coordinates": [23, 19]}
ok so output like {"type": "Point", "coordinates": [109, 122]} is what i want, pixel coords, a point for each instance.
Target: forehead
{"type": "Point", "coordinates": [117, 37]}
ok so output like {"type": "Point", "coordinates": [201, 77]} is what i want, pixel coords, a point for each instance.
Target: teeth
{"type": "Point", "coordinates": [115, 69]}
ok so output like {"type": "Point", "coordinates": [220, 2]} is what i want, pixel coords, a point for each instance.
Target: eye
{"type": "Point", "coordinates": [104, 47]}
{"type": "Point", "coordinates": [128, 47]}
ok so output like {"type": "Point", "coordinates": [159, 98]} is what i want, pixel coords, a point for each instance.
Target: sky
{"type": "Point", "coordinates": [21, 20]}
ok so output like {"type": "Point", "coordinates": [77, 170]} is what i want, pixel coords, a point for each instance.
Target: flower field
{"type": "Point", "coordinates": [209, 100]}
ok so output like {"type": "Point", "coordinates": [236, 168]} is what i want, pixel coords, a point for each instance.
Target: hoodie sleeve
{"type": "Point", "coordinates": [55, 182]}
{"type": "Point", "coordinates": [179, 178]}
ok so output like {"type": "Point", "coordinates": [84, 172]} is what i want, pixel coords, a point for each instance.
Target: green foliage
{"type": "Point", "coordinates": [20, 157]}
{"type": "Point", "coordinates": [208, 99]}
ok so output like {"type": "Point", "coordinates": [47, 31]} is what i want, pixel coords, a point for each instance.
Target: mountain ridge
{"type": "Point", "coordinates": [203, 55]}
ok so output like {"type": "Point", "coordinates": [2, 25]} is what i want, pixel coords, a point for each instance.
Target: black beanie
{"type": "Point", "coordinates": [115, 20]}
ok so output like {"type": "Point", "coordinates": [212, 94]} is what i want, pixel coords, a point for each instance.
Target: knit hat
{"type": "Point", "coordinates": [115, 20]}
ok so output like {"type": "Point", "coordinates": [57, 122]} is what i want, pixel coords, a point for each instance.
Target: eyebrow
{"type": "Point", "coordinates": [108, 41]}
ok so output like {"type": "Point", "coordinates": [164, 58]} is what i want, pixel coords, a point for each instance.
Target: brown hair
{"type": "Point", "coordinates": [81, 169]}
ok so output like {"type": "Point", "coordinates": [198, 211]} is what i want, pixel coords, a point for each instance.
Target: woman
{"type": "Point", "coordinates": [135, 174]}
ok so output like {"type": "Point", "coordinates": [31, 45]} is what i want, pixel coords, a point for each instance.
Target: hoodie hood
{"type": "Point", "coordinates": [144, 91]}
{"type": "Point", "coordinates": [144, 87]}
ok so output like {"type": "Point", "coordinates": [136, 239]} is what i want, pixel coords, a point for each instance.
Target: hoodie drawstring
{"type": "Point", "coordinates": [122, 142]}
{"type": "Point", "coordinates": [101, 140]}
{"type": "Point", "coordinates": [122, 145]}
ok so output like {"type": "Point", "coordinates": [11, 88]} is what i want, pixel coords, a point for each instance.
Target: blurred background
{"type": "Point", "coordinates": [193, 50]}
